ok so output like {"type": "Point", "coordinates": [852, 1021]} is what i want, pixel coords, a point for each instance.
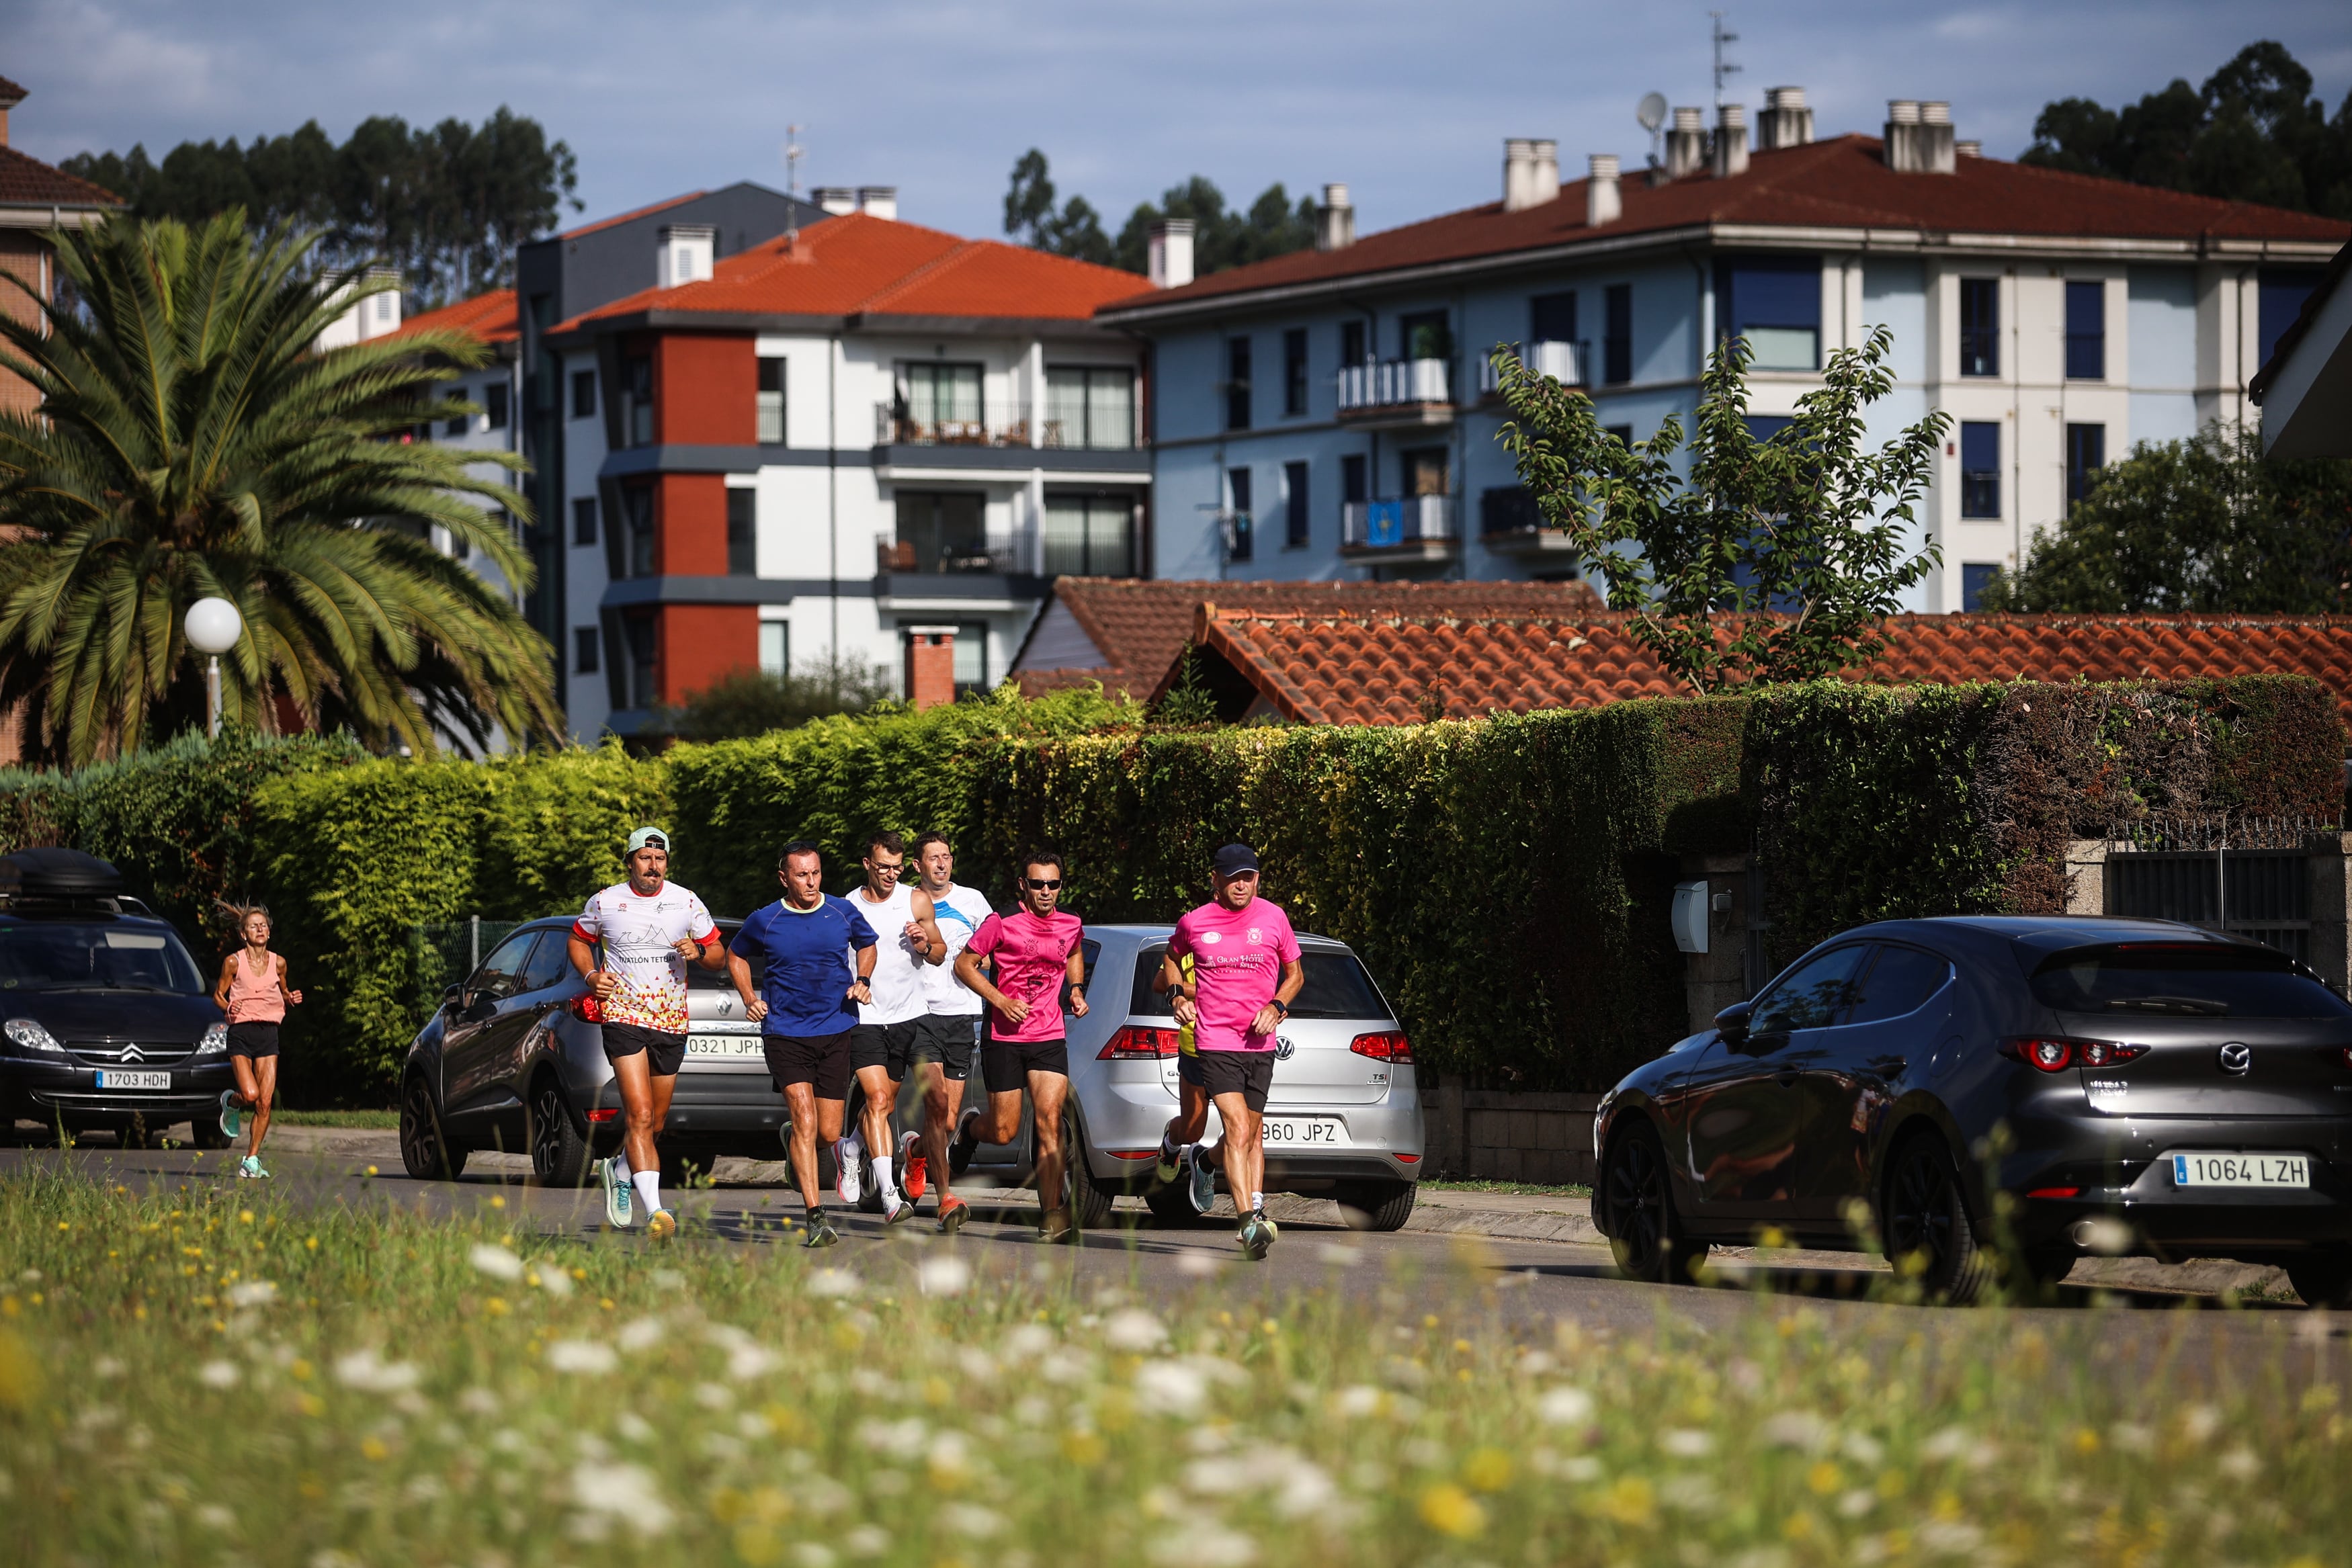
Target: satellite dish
{"type": "Point", "coordinates": [1653, 111]}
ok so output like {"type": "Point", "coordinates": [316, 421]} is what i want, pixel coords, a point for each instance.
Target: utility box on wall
{"type": "Point", "coordinates": [1690, 917]}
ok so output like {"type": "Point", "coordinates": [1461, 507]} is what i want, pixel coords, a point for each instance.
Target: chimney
{"type": "Point", "coordinates": [878, 200]}
{"type": "Point", "coordinates": [836, 199]}
{"type": "Point", "coordinates": [1967, 149]}
{"type": "Point", "coordinates": [686, 254]}
{"type": "Point", "coordinates": [1920, 137]}
{"type": "Point", "coordinates": [1335, 220]}
{"type": "Point", "coordinates": [1730, 140]}
{"type": "Point", "coordinates": [1603, 202]}
{"type": "Point", "coordinates": [1169, 251]}
{"type": "Point", "coordinates": [1786, 121]}
{"type": "Point", "coordinates": [931, 666]}
{"type": "Point", "coordinates": [1546, 177]}
{"type": "Point", "coordinates": [11, 95]}
{"type": "Point", "coordinates": [1519, 172]}
{"type": "Point", "coordinates": [1685, 146]}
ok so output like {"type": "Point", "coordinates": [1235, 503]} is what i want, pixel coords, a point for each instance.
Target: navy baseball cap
{"type": "Point", "coordinates": [1234, 860]}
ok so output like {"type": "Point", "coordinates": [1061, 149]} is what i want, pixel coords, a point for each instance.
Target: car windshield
{"type": "Point", "coordinates": [2157, 981]}
{"type": "Point", "coordinates": [61, 955]}
{"type": "Point", "coordinates": [1337, 987]}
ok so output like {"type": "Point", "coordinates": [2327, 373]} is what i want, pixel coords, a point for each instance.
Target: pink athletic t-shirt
{"type": "Point", "coordinates": [1237, 958]}
{"type": "Point", "coordinates": [1033, 959]}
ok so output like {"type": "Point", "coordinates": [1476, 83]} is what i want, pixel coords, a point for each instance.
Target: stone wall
{"type": "Point", "coordinates": [1493, 1134]}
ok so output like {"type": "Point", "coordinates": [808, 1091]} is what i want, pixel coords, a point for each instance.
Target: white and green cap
{"type": "Point", "coordinates": [648, 838]}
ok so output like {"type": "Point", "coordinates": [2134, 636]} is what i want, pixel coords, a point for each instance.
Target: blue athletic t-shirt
{"type": "Point", "coordinates": [801, 960]}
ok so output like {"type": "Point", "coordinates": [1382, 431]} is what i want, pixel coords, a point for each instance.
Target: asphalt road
{"type": "Point", "coordinates": [1514, 1286]}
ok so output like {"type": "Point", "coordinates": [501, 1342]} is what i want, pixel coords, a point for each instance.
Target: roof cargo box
{"type": "Point", "coordinates": [57, 874]}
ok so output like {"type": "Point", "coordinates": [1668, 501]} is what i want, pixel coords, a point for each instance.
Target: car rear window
{"type": "Point", "coordinates": [2156, 980]}
{"type": "Point", "coordinates": [1337, 987]}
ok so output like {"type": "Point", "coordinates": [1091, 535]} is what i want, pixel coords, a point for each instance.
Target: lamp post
{"type": "Point", "coordinates": [213, 626]}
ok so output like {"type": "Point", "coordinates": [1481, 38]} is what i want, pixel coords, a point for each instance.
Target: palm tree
{"type": "Point", "coordinates": [190, 441]}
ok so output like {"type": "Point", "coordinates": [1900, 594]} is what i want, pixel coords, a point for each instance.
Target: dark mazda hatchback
{"type": "Point", "coordinates": [1982, 1094]}
{"type": "Point", "coordinates": [106, 1023]}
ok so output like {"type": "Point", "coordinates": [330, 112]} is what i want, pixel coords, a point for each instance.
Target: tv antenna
{"type": "Point", "coordinates": [793, 153]}
{"type": "Point", "coordinates": [1651, 112]}
{"type": "Point", "coordinates": [1721, 36]}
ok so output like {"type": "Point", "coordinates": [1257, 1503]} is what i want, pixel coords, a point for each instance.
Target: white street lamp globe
{"type": "Point", "coordinates": [213, 625]}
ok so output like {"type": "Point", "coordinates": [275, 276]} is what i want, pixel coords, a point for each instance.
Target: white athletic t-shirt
{"type": "Point", "coordinates": [958, 913]}
{"type": "Point", "coordinates": [897, 990]}
{"type": "Point", "coordinates": [639, 935]}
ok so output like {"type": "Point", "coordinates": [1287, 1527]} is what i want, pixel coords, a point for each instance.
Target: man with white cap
{"type": "Point", "coordinates": [648, 929]}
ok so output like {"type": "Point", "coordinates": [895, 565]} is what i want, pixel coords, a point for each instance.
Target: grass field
{"type": "Point", "coordinates": [209, 1377]}
{"type": "Point", "coordinates": [1529, 1188]}
{"type": "Point", "coordinates": [378, 1121]}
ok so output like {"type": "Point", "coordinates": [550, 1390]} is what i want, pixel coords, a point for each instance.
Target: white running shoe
{"type": "Point", "coordinates": [232, 1121]}
{"type": "Point", "coordinates": [620, 1202]}
{"type": "Point", "coordinates": [1200, 1185]}
{"type": "Point", "coordinates": [847, 1154]}
{"type": "Point", "coordinates": [250, 1169]}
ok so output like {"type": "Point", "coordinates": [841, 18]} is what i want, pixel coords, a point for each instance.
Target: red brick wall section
{"type": "Point", "coordinates": [21, 258]}
{"type": "Point", "coordinates": [691, 525]}
{"type": "Point", "coordinates": [930, 669]}
{"type": "Point", "coordinates": [705, 389]}
{"type": "Point", "coordinates": [695, 644]}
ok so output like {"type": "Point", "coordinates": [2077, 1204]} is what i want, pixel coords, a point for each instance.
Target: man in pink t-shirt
{"type": "Point", "coordinates": [1246, 971]}
{"type": "Point", "coordinates": [1035, 952]}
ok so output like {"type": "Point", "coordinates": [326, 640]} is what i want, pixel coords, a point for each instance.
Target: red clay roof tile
{"type": "Point", "coordinates": [28, 181]}
{"type": "Point", "coordinates": [491, 317]}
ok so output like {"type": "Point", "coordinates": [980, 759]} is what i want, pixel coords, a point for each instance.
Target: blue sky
{"type": "Point", "coordinates": [1408, 102]}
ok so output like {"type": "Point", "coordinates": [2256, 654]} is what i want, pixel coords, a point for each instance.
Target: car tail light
{"type": "Point", "coordinates": [2052, 1053]}
{"type": "Point", "coordinates": [2107, 1052]}
{"type": "Point", "coordinates": [606, 1113]}
{"type": "Point", "coordinates": [587, 1009]}
{"type": "Point", "coordinates": [1383, 1047]}
{"type": "Point", "coordinates": [1407, 1159]}
{"type": "Point", "coordinates": [2053, 1192]}
{"type": "Point", "coordinates": [1132, 1154]}
{"type": "Point", "coordinates": [1136, 1043]}
{"type": "Point", "coordinates": [2344, 1055]}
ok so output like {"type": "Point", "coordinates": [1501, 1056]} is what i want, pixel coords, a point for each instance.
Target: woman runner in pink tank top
{"type": "Point", "coordinates": [254, 994]}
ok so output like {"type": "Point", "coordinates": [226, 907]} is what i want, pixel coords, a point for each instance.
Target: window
{"type": "Point", "coordinates": [2279, 300]}
{"type": "Point", "coordinates": [1090, 406]}
{"type": "Point", "coordinates": [775, 647]}
{"type": "Point", "coordinates": [500, 974]}
{"type": "Point", "coordinates": [640, 631]}
{"type": "Point", "coordinates": [494, 398]}
{"type": "Point", "coordinates": [459, 423]}
{"type": "Point", "coordinates": [2086, 453]}
{"type": "Point", "coordinates": [1764, 426]}
{"type": "Point", "coordinates": [1294, 371]}
{"type": "Point", "coordinates": [2156, 980]}
{"type": "Point", "coordinates": [583, 520]}
{"type": "Point", "coordinates": [1980, 326]}
{"type": "Point", "coordinates": [770, 402]}
{"type": "Point", "coordinates": [1355, 483]}
{"type": "Point", "coordinates": [1975, 577]}
{"type": "Point", "coordinates": [1237, 383]}
{"type": "Point", "coordinates": [1814, 997]}
{"type": "Point", "coordinates": [1422, 470]}
{"type": "Point", "coordinates": [1355, 344]}
{"type": "Point", "coordinates": [584, 640]}
{"type": "Point", "coordinates": [551, 962]}
{"type": "Point", "coordinates": [944, 531]}
{"type": "Point", "coordinates": [1237, 483]}
{"type": "Point", "coordinates": [2086, 331]}
{"type": "Point", "coordinates": [940, 402]}
{"type": "Point", "coordinates": [742, 531]}
{"type": "Point", "coordinates": [1623, 432]}
{"type": "Point", "coordinates": [1617, 346]}
{"type": "Point", "coordinates": [583, 394]}
{"type": "Point", "coordinates": [1774, 303]}
{"type": "Point", "coordinates": [1424, 335]}
{"type": "Point", "coordinates": [1294, 505]}
{"type": "Point", "coordinates": [1979, 469]}
{"type": "Point", "coordinates": [971, 657]}
{"type": "Point", "coordinates": [1551, 319]}
{"type": "Point", "coordinates": [1090, 535]}
{"type": "Point", "coordinates": [639, 544]}
{"type": "Point", "coordinates": [384, 305]}
{"type": "Point", "coordinates": [638, 403]}
{"type": "Point", "coordinates": [1902, 980]}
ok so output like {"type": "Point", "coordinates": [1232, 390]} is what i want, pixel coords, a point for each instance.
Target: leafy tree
{"type": "Point", "coordinates": [446, 204]}
{"type": "Point", "coordinates": [1221, 237]}
{"type": "Point", "coordinates": [2252, 133]}
{"type": "Point", "coordinates": [752, 702]}
{"type": "Point", "coordinates": [1029, 216]}
{"type": "Point", "coordinates": [190, 441]}
{"type": "Point", "coordinates": [1775, 560]}
{"type": "Point", "coordinates": [2205, 524]}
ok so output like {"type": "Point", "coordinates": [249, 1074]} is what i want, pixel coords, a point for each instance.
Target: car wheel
{"type": "Point", "coordinates": [1086, 1200]}
{"type": "Point", "coordinates": [205, 1132]}
{"type": "Point", "coordinates": [1377, 1204]}
{"type": "Point", "coordinates": [2047, 1266]}
{"type": "Point", "coordinates": [558, 1154]}
{"type": "Point", "coordinates": [1645, 1233]}
{"type": "Point", "coordinates": [425, 1153]}
{"type": "Point", "coordinates": [1170, 1209]}
{"type": "Point", "coordinates": [1927, 1219]}
{"type": "Point", "coordinates": [2322, 1276]}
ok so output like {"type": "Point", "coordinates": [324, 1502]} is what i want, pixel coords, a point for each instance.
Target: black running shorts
{"type": "Point", "coordinates": [1006, 1064]}
{"type": "Point", "coordinates": [947, 1040]}
{"type": "Point", "coordinates": [253, 1037]}
{"type": "Point", "coordinates": [888, 1046]}
{"type": "Point", "coordinates": [665, 1054]}
{"type": "Point", "coordinates": [819, 1061]}
{"type": "Point", "coordinates": [1248, 1074]}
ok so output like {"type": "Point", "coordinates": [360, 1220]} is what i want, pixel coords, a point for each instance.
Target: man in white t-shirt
{"type": "Point", "coordinates": [882, 1046]}
{"type": "Point", "coordinates": [632, 945]}
{"type": "Point", "coordinates": [949, 1031]}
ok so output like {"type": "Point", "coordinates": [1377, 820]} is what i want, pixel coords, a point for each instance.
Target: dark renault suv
{"type": "Point", "coordinates": [1993, 1092]}
{"type": "Point", "coordinates": [107, 1024]}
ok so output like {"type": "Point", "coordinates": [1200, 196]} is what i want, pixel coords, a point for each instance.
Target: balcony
{"type": "Point", "coordinates": [1418, 528]}
{"type": "Point", "coordinates": [1065, 427]}
{"type": "Point", "coordinates": [1509, 524]}
{"type": "Point", "coordinates": [927, 554]}
{"type": "Point", "coordinates": [1396, 394]}
{"type": "Point", "coordinates": [1570, 364]}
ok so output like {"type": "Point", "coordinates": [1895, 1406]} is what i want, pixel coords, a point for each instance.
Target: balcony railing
{"type": "Point", "coordinates": [1394, 384]}
{"type": "Point", "coordinates": [1000, 553]}
{"type": "Point", "coordinates": [1064, 428]}
{"type": "Point", "coordinates": [1416, 522]}
{"type": "Point", "coordinates": [1566, 363]}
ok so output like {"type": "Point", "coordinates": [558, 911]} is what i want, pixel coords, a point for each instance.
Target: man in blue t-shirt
{"type": "Point", "coordinates": [805, 1004]}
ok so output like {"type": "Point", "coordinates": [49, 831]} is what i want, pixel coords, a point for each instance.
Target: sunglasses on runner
{"type": "Point", "coordinates": [1039, 882]}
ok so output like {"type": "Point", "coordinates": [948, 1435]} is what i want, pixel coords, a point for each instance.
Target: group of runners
{"type": "Point", "coordinates": [920, 976]}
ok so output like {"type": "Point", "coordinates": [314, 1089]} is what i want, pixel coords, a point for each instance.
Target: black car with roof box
{"type": "Point", "coordinates": [106, 1021]}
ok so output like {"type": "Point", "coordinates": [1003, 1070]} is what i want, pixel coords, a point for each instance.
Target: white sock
{"type": "Point", "coordinates": [1257, 1203]}
{"type": "Point", "coordinates": [882, 1183]}
{"type": "Point", "coordinates": [648, 1185]}
{"type": "Point", "coordinates": [621, 1164]}
{"type": "Point", "coordinates": [854, 1144]}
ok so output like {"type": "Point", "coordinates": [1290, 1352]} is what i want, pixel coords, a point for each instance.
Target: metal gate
{"type": "Point", "coordinates": [2252, 878]}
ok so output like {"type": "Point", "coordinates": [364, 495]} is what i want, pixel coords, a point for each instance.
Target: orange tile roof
{"type": "Point", "coordinates": [858, 265]}
{"type": "Point", "coordinates": [1375, 668]}
{"type": "Point", "coordinates": [1840, 184]}
{"type": "Point", "coordinates": [493, 317]}
{"type": "Point", "coordinates": [28, 181]}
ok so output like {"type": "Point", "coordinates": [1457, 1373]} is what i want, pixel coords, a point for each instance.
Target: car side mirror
{"type": "Point", "coordinates": [1731, 1024]}
{"type": "Point", "coordinates": [452, 996]}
